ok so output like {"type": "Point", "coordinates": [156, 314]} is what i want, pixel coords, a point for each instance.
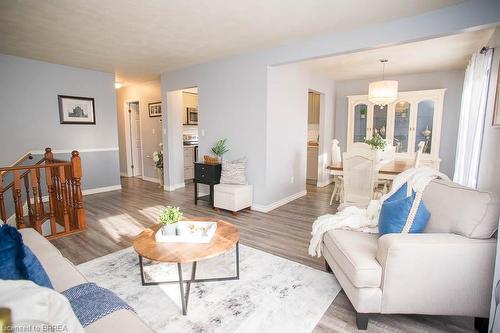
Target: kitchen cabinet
{"type": "Point", "coordinates": [312, 163]}
{"type": "Point", "coordinates": [313, 108]}
{"type": "Point", "coordinates": [189, 159]}
{"type": "Point", "coordinates": [415, 116]}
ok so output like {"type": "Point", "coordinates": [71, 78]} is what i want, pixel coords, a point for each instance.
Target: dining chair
{"type": "Point", "coordinates": [418, 154]}
{"type": "Point", "coordinates": [338, 181]}
{"type": "Point", "coordinates": [360, 173]}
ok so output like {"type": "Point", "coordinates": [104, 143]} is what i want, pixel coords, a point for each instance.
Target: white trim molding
{"type": "Point", "coordinates": [170, 188]}
{"type": "Point", "coordinates": [101, 189]}
{"type": "Point", "coordinates": [151, 179]}
{"type": "Point", "coordinates": [67, 151]}
{"type": "Point", "coordinates": [124, 174]}
{"type": "Point", "coordinates": [274, 205]}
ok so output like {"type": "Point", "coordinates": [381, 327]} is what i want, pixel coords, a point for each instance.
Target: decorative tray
{"type": "Point", "coordinates": [189, 232]}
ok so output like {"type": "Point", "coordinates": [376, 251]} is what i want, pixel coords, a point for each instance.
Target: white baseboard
{"type": "Point", "coordinates": [151, 179]}
{"type": "Point", "coordinates": [174, 187]}
{"type": "Point", "coordinates": [124, 174]}
{"type": "Point", "coordinates": [101, 189]}
{"type": "Point", "coordinates": [274, 205]}
{"type": "Point", "coordinates": [324, 183]}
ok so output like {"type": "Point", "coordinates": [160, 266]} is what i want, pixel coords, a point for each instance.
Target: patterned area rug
{"type": "Point", "coordinates": [272, 295]}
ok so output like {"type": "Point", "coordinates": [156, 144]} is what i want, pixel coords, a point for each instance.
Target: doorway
{"type": "Point", "coordinates": [135, 139]}
{"type": "Point", "coordinates": [313, 137]}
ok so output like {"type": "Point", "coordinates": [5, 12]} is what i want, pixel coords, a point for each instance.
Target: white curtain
{"type": "Point", "coordinates": [472, 114]}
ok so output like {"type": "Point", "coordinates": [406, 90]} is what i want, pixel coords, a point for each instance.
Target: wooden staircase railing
{"type": "Point", "coordinates": [51, 181]}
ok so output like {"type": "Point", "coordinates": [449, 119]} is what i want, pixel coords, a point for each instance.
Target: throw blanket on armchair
{"type": "Point", "coordinates": [366, 219]}
{"type": "Point", "coordinates": [91, 302]}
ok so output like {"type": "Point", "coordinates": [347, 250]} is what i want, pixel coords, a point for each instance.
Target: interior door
{"type": "Point", "coordinates": [135, 138]}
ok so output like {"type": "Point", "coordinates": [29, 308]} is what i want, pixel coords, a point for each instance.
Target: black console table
{"type": "Point", "coordinates": [208, 174]}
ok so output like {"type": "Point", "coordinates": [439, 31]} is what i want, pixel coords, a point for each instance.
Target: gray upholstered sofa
{"type": "Point", "coordinates": [447, 270]}
{"type": "Point", "coordinates": [64, 275]}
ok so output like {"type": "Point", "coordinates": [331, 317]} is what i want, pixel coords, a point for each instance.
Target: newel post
{"type": "Point", "coordinates": [48, 155]}
{"type": "Point", "coordinates": [76, 172]}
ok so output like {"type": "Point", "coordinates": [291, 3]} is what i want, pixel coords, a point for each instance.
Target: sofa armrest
{"type": "Point", "coordinates": [443, 274]}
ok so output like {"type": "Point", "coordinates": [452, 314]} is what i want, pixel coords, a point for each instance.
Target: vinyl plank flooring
{"type": "Point", "coordinates": [115, 218]}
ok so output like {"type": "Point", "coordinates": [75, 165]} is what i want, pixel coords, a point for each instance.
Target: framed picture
{"type": "Point", "coordinates": [76, 110]}
{"type": "Point", "coordinates": [496, 111]}
{"type": "Point", "coordinates": [154, 109]}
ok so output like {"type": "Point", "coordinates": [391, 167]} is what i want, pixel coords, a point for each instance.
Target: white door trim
{"type": "Point", "coordinates": [128, 136]}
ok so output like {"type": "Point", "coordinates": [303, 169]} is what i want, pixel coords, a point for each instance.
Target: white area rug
{"type": "Point", "coordinates": [272, 295]}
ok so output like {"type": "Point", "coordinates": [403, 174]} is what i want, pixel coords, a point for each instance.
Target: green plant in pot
{"type": "Point", "coordinates": [169, 218]}
{"type": "Point", "coordinates": [377, 143]}
{"type": "Point", "coordinates": [220, 149]}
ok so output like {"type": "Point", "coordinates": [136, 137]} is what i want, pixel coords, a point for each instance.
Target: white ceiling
{"type": "Point", "coordinates": [439, 54]}
{"type": "Point", "coordinates": [138, 40]}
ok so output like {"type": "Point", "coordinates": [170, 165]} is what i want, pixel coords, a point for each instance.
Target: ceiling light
{"type": "Point", "coordinates": [383, 92]}
{"type": "Point", "coordinates": [118, 85]}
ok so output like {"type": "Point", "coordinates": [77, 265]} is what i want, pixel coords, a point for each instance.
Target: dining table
{"type": "Point", "coordinates": [388, 169]}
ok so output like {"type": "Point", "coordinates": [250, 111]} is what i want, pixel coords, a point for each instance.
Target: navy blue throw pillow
{"type": "Point", "coordinates": [395, 210]}
{"type": "Point", "coordinates": [17, 261]}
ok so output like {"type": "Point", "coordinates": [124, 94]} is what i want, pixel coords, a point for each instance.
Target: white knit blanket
{"type": "Point", "coordinates": [366, 219]}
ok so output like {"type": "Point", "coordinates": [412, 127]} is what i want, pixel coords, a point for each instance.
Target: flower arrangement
{"type": "Point", "coordinates": [169, 218]}
{"type": "Point", "coordinates": [158, 157]}
{"type": "Point", "coordinates": [170, 215]}
{"type": "Point", "coordinates": [376, 142]}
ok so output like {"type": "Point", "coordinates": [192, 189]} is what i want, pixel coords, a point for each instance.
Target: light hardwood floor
{"type": "Point", "coordinates": [115, 218]}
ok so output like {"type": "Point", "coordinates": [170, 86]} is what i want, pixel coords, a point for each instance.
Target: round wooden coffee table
{"type": "Point", "coordinates": [226, 237]}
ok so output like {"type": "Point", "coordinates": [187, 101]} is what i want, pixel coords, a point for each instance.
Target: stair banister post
{"type": "Point", "coordinates": [48, 155]}
{"type": "Point", "coordinates": [76, 173]}
{"type": "Point", "coordinates": [16, 193]}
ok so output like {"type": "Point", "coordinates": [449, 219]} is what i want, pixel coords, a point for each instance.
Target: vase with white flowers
{"type": "Point", "coordinates": [169, 219]}
{"type": "Point", "coordinates": [158, 161]}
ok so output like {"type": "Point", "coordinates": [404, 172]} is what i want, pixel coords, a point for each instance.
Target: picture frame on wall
{"type": "Point", "coordinates": [76, 110]}
{"type": "Point", "coordinates": [496, 110]}
{"type": "Point", "coordinates": [154, 109]}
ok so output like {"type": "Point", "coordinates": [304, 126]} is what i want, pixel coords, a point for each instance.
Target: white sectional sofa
{"type": "Point", "coordinates": [64, 275]}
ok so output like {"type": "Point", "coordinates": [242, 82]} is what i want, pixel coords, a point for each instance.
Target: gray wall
{"type": "Point", "coordinates": [451, 80]}
{"type": "Point", "coordinates": [233, 91]}
{"type": "Point", "coordinates": [29, 119]}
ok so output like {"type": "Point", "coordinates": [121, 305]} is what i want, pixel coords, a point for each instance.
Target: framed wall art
{"type": "Point", "coordinates": [76, 110]}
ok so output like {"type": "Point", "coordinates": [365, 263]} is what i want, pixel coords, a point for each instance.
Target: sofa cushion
{"type": "Point", "coordinates": [62, 273]}
{"type": "Point", "coordinates": [35, 308]}
{"type": "Point", "coordinates": [355, 252]}
{"type": "Point", "coordinates": [396, 213]}
{"type": "Point", "coordinates": [17, 261]}
{"type": "Point", "coordinates": [38, 244]}
{"type": "Point", "coordinates": [461, 210]}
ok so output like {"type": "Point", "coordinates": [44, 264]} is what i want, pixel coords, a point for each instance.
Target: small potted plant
{"type": "Point", "coordinates": [220, 149]}
{"type": "Point", "coordinates": [169, 219]}
{"type": "Point", "coordinates": [378, 144]}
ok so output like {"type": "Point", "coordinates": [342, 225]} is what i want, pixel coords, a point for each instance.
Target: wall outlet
{"type": "Point", "coordinates": [292, 180]}
{"type": "Point", "coordinates": [153, 131]}
{"type": "Point", "coordinates": [202, 132]}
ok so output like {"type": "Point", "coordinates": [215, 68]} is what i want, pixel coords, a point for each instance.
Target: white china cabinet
{"type": "Point", "coordinates": [415, 116]}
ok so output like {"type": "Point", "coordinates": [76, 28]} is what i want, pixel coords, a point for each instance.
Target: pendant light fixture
{"type": "Point", "coordinates": [383, 92]}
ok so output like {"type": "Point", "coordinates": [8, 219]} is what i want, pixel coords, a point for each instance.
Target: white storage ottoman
{"type": "Point", "coordinates": [233, 197]}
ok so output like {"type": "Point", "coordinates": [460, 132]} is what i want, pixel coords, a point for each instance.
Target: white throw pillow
{"type": "Point", "coordinates": [234, 172]}
{"type": "Point", "coordinates": [34, 306]}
